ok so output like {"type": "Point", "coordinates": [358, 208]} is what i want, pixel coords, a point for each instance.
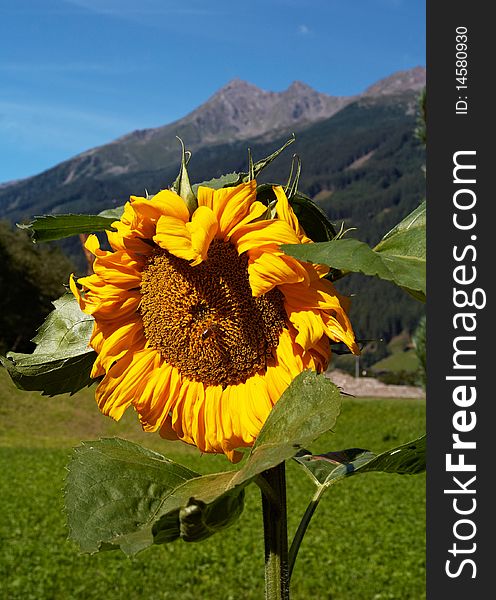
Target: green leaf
{"type": "Point", "coordinates": [228, 180]}
{"type": "Point", "coordinates": [55, 227]}
{"type": "Point", "coordinates": [62, 359]}
{"type": "Point", "coordinates": [119, 494]}
{"type": "Point", "coordinates": [114, 489]}
{"type": "Point", "coordinates": [326, 469]}
{"type": "Point", "coordinates": [416, 219]}
{"type": "Point", "coordinates": [260, 165]}
{"type": "Point", "coordinates": [399, 257]}
{"type": "Point", "coordinates": [112, 213]}
{"type": "Point", "coordinates": [205, 505]}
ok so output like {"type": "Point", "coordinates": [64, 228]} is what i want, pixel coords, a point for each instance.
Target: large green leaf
{"type": "Point", "coordinates": [326, 469]}
{"type": "Point", "coordinates": [114, 489]}
{"type": "Point", "coordinates": [109, 505]}
{"type": "Point", "coordinates": [399, 257]}
{"type": "Point", "coordinates": [307, 409]}
{"type": "Point", "coordinates": [55, 227]}
{"type": "Point", "coordinates": [62, 359]}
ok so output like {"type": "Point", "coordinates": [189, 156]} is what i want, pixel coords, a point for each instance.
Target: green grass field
{"type": "Point", "coordinates": [366, 541]}
{"type": "Point", "coordinates": [399, 361]}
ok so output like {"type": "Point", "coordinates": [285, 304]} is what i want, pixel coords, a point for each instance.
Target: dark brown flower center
{"type": "Point", "coordinates": [204, 319]}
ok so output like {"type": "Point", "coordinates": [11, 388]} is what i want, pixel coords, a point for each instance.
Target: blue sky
{"type": "Point", "coordinates": [75, 74]}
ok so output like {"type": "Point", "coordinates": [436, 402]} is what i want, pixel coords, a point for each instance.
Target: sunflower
{"type": "Point", "coordinates": [200, 320]}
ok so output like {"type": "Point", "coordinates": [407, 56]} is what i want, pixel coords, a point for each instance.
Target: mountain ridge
{"type": "Point", "coordinates": [238, 110]}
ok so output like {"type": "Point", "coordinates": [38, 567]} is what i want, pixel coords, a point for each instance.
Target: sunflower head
{"type": "Point", "coordinates": [201, 321]}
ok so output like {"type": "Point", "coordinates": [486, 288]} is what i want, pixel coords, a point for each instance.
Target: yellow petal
{"type": "Point", "coordinates": [256, 211]}
{"type": "Point", "coordinates": [230, 205]}
{"type": "Point", "coordinates": [320, 294]}
{"type": "Point", "coordinates": [286, 213]}
{"type": "Point", "coordinates": [310, 327]}
{"type": "Point", "coordinates": [127, 337]}
{"type": "Point", "coordinates": [338, 328]}
{"type": "Point", "coordinates": [202, 229]}
{"type": "Point", "coordinates": [225, 432]}
{"type": "Point", "coordinates": [244, 425]}
{"type": "Point", "coordinates": [139, 220]}
{"type": "Point", "coordinates": [117, 389]}
{"type": "Point", "coordinates": [258, 404]}
{"type": "Point", "coordinates": [269, 268]}
{"type": "Point", "coordinates": [263, 233]}
{"type": "Point", "coordinates": [93, 245]}
{"type": "Point", "coordinates": [156, 395]}
{"type": "Point", "coordinates": [189, 240]}
{"type": "Point", "coordinates": [165, 202]}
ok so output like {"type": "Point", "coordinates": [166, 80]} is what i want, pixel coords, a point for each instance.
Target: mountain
{"type": "Point", "coordinates": [238, 111]}
{"type": "Point", "coordinates": [360, 161]}
{"type": "Point", "coordinates": [413, 79]}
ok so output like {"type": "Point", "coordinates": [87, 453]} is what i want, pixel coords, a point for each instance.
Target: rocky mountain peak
{"type": "Point", "coordinates": [244, 110]}
{"type": "Point", "coordinates": [299, 87]}
{"type": "Point", "coordinates": [236, 87]}
{"type": "Point", "coordinates": [401, 81]}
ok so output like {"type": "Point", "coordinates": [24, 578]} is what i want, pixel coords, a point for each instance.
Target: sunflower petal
{"type": "Point", "coordinates": [310, 327]}
{"type": "Point", "coordinates": [157, 394]}
{"type": "Point", "coordinates": [125, 337]}
{"type": "Point", "coordinates": [263, 233]}
{"type": "Point", "coordinates": [116, 391]}
{"type": "Point", "coordinates": [202, 228]}
{"type": "Point", "coordinates": [269, 269]}
{"type": "Point", "coordinates": [187, 240]}
{"type": "Point", "coordinates": [286, 213]}
{"type": "Point", "coordinates": [230, 205]}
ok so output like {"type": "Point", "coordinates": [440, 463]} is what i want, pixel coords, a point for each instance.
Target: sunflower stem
{"type": "Point", "coordinates": [276, 535]}
{"type": "Point", "coordinates": [302, 528]}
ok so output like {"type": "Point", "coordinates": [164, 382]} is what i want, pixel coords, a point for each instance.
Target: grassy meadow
{"type": "Point", "coordinates": [366, 541]}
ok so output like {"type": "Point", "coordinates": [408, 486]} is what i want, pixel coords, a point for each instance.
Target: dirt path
{"type": "Point", "coordinates": [367, 386]}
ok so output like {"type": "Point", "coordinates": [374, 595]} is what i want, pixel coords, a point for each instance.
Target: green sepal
{"type": "Point", "coordinates": [217, 183]}
{"type": "Point", "coordinates": [62, 360]}
{"type": "Point", "coordinates": [47, 228]}
{"type": "Point", "coordinates": [182, 185]}
{"type": "Point", "coordinates": [312, 218]}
